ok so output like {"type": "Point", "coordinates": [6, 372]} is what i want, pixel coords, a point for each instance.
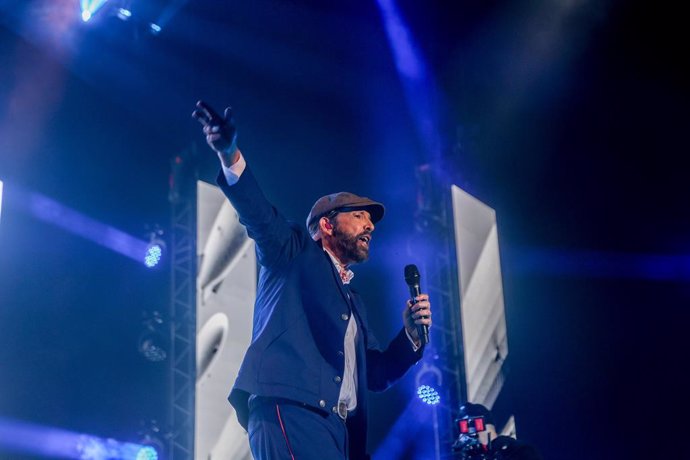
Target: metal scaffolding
{"type": "Point", "coordinates": [182, 371]}
{"type": "Point", "coordinates": [435, 225]}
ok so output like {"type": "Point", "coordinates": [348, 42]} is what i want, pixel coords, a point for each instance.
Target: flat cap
{"type": "Point", "coordinates": [344, 201]}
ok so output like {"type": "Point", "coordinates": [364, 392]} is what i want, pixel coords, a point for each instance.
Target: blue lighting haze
{"type": "Point", "coordinates": [412, 424]}
{"type": "Point", "coordinates": [28, 438]}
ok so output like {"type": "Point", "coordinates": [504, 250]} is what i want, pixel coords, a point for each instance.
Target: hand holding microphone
{"type": "Point", "coordinates": [417, 315]}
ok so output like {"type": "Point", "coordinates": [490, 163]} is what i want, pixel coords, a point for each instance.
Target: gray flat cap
{"type": "Point", "coordinates": [344, 201]}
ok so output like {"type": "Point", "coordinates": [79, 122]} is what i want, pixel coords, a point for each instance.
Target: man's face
{"type": "Point", "coordinates": [352, 235]}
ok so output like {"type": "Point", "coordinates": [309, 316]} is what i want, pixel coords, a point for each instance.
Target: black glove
{"type": "Point", "coordinates": [221, 134]}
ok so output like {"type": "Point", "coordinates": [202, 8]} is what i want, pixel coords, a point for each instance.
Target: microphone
{"type": "Point", "coordinates": [412, 280]}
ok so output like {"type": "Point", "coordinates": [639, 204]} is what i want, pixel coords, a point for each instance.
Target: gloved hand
{"type": "Point", "coordinates": [221, 134]}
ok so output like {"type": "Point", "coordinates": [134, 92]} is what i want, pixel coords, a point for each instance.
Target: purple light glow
{"type": "Point", "coordinates": [407, 60]}
{"type": "Point", "coordinates": [59, 215]}
{"type": "Point", "coordinates": [420, 90]}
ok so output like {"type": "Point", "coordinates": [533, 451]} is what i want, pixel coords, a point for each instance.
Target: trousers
{"type": "Point", "coordinates": [281, 429]}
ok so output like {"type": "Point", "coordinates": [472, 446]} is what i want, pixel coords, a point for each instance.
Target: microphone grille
{"type": "Point", "coordinates": [411, 274]}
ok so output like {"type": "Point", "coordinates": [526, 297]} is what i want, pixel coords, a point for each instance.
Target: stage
{"type": "Point", "coordinates": [566, 118]}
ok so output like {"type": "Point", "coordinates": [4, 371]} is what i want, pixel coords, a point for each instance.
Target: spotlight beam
{"type": "Point", "coordinates": [59, 215]}
{"type": "Point", "coordinates": [420, 89]}
{"type": "Point", "coordinates": [62, 216]}
{"type": "Point", "coordinates": [28, 438]}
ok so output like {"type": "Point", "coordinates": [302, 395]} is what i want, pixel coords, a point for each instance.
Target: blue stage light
{"type": "Point", "coordinates": [428, 394]}
{"type": "Point", "coordinates": [155, 249]}
{"type": "Point", "coordinates": [152, 342]}
{"type": "Point", "coordinates": [151, 346]}
{"type": "Point", "coordinates": [155, 28]}
{"type": "Point", "coordinates": [429, 380]}
{"type": "Point", "coordinates": [147, 453]}
{"type": "Point", "coordinates": [124, 14]}
{"type": "Point", "coordinates": [89, 8]}
{"type": "Point", "coordinates": [0, 199]}
{"type": "Point", "coordinates": [153, 255]}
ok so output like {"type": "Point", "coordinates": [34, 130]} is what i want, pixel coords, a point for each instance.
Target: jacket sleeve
{"type": "Point", "coordinates": [387, 366]}
{"type": "Point", "coordinates": [277, 241]}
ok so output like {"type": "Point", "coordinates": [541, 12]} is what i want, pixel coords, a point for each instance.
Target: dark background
{"type": "Point", "coordinates": [568, 117]}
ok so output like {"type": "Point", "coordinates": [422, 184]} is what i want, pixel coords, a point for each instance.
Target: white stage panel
{"type": "Point", "coordinates": [482, 309]}
{"type": "Point", "coordinates": [226, 290]}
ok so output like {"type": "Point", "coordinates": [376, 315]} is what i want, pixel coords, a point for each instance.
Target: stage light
{"type": "Point", "coordinates": [147, 453]}
{"type": "Point", "coordinates": [154, 250]}
{"type": "Point", "coordinates": [89, 8]}
{"type": "Point", "coordinates": [151, 442]}
{"type": "Point", "coordinates": [124, 14]}
{"type": "Point", "coordinates": [0, 200]}
{"type": "Point", "coordinates": [150, 347]}
{"type": "Point", "coordinates": [155, 28]}
{"type": "Point", "coordinates": [153, 255]}
{"type": "Point", "coordinates": [152, 342]}
{"type": "Point", "coordinates": [428, 381]}
{"type": "Point", "coordinates": [428, 395]}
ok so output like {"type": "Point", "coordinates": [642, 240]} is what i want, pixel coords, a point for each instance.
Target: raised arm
{"type": "Point", "coordinates": [277, 241]}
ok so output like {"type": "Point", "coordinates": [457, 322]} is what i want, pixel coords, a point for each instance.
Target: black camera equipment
{"type": "Point", "coordinates": [468, 446]}
{"type": "Point", "coordinates": [475, 425]}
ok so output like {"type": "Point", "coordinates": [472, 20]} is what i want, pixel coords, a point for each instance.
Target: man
{"type": "Point", "coordinates": [301, 391]}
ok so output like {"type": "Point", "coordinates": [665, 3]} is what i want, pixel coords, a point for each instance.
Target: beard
{"type": "Point", "coordinates": [349, 246]}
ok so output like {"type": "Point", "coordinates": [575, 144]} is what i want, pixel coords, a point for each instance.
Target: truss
{"type": "Point", "coordinates": [435, 224]}
{"type": "Point", "coordinates": [182, 371]}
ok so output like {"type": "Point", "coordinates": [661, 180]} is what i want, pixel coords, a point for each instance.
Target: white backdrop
{"type": "Point", "coordinates": [226, 290]}
{"type": "Point", "coordinates": [484, 332]}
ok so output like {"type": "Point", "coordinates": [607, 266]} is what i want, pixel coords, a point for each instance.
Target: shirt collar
{"type": "Point", "coordinates": [345, 273]}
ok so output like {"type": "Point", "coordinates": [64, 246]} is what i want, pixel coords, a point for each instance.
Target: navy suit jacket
{"type": "Point", "coordinates": [301, 314]}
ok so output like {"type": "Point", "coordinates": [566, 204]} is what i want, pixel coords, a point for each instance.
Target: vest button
{"type": "Point", "coordinates": [344, 316]}
{"type": "Point", "coordinates": [322, 403]}
{"type": "Point", "coordinates": [341, 353]}
{"type": "Point", "coordinates": [334, 409]}
{"type": "Point", "coordinates": [337, 379]}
